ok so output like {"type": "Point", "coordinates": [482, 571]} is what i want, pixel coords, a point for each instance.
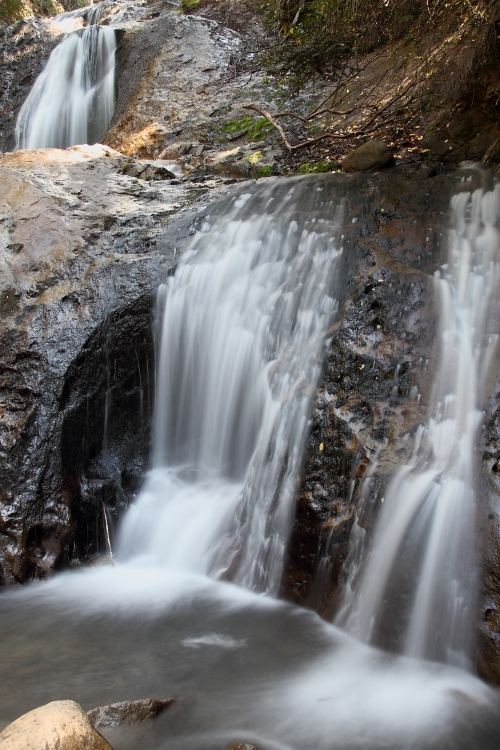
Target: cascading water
{"type": "Point", "coordinates": [241, 329]}
{"type": "Point", "coordinates": [422, 567]}
{"type": "Point", "coordinates": [72, 100]}
{"type": "Point", "coordinates": [243, 323]}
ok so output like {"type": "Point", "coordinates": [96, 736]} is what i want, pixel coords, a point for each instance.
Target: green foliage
{"type": "Point", "coordinates": [255, 157]}
{"type": "Point", "coordinates": [267, 171]}
{"type": "Point", "coordinates": [11, 10]}
{"type": "Point", "coordinates": [320, 36]}
{"type": "Point", "coordinates": [255, 130]}
{"type": "Point", "coordinates": [15, 10]}
{"type": "Point", "coordinates": [235, 126]}
{"type": "Point", "coordinates": [188, 6]}
{"type": "Point", "coordinates": [321, 166]}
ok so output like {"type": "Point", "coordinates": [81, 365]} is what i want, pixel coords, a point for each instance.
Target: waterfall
{"type": "Point", "coordinates": [243, 324]}
{"type": "Point", "coordinates": [421, 570]}
{"type": "Point", "coordinates": [72, 100]}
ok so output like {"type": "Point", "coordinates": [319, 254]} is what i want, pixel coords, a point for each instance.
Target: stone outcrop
{"type": "Point", "coordinates": [373, 154]}
{"type": "Point", "coordinates": [182, 82]}
{"type": "Point", "coordinates": [127, 713]}
{"type": "Point", "coordinates": [80, 265]}
{"type": "Point", "coordinates": [374, 393]}
{"type": "Point", "coordinates": [60, 725]}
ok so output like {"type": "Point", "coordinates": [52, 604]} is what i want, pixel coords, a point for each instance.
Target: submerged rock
{"type": "Point", "coordinates": [60, 725]}
{"type": "Point", "coordinates": [373, 154]}
{"type": "Point", "coordinates": [127, 713]}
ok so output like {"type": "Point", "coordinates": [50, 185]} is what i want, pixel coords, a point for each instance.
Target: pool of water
{"type": "Point", "coordinates": [246, 667]}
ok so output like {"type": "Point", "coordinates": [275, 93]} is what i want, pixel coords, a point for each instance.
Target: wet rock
{"type": "Point", "coordinates": [374, 154]}
{"type": "Point", "coordinates": [375, 382]}
{"type": "Point", "coordinates": [60, 725]}
{"type": "Point", "coordinates": [127, 713]}
{"type": "Point", "coordinates": [489, 492]}
{"type": "Point", "coordinates": [79, 247]}
{"type": "Point", "coordinates": [148, 171]}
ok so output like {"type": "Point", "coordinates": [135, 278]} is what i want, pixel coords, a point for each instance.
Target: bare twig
{"type": "Point", "coordinates": [299, 10]}
{"type": "Point", "coordinates": [106, 528]}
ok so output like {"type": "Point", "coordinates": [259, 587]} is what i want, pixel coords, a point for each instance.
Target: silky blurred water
{"type": "Point", "coordinates": [247, 667]}
{"type": "Point", "coordinates": [72, 100]}
{"type": "Point", "coordinates": [241, 330]}
{"type": "Point", "coordinates": [422, 565]}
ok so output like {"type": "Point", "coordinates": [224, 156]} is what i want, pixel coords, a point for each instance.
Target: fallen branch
{"type": "Point", "coordinates": [271, 120]}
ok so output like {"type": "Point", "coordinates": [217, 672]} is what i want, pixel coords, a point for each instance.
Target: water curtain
{"type": "Point", "coordinates": [418, 584]}
{"type": "Point", "coordinates": [72, 100]}
{"type": "Point", "coordinates": [243, 324]}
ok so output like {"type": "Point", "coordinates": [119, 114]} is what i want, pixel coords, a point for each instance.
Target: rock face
{"type": "Point", "coordinates": [127, 713]}
{"type": "Point", "coordinates": [375, 384]}
{"type": "Point", "coordinates": [60, 725]}
{"type": "Point", "coordinates": [374, 392]}
{"type": "Point", "coordinates": [80, 268]}
{"type": "Point", "coordinates": [182, 82]}
{"type": "Point", "coordinates": [373, 154]}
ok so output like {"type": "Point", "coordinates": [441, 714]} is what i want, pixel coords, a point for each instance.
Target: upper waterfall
{"type": "Point", "coordinates": [72, 100]}
{"type": "Point", "coordinates": [243, 323]}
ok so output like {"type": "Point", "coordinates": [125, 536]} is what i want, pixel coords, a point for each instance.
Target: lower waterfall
{"type": "Point", "coordinates": [72, 100]}
{"type": "Point", "coordinates": [243, 324]}
{"type": "Point", "coordinates": [241, 327]}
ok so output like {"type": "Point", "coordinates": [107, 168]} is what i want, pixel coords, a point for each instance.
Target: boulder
{"type": "Point", "coordinates": [229, 163]}
{"type": "Point", "coordinates": [60, 725]}
{"type": "Point", "coordinates": [373, 154]}
{"type": "Point", "coordinates": [127, 713]}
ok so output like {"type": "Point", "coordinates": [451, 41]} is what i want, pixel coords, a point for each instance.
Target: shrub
{"type": "Point", "coordinates": [11, 10]}
{"type": "Point", "coordinates": [267, 171]}
{"type": "Point", "coordinates": [319, 37]}
{"type": "Point", "coordinates": [188, 6]}
{"type": "Point", "coordinates": [321, 166]}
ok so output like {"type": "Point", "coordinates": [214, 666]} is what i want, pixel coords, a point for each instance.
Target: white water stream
{"type": "Point", "coordinates": [243, 324]}
{"type": "Point", "coordinates": [421, 566]}
{"type": "Point", "coordinates": [241, 329]}
{"type": "Point", "coordinates": [72, 100]}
